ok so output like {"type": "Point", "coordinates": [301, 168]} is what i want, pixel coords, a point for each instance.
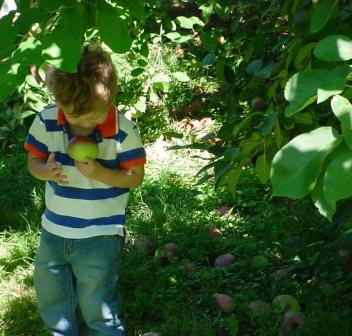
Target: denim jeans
{"type": "Point", "coordinates": [72, 274]}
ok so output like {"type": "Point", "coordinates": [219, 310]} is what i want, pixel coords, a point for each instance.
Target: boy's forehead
{"type": "Point", "coordinates": [88, 115]}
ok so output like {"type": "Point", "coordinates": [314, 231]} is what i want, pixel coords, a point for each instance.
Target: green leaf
{"type": "Point", "coordinates": [12, 76]}
{"type": "Point", "coordinates": [347, 134]}
{"type": "Point", "coordinates": [338, 179]}
{"type": "Point", "coordinates": [342, 108]}
{"type": "Point", "coordinates": [334, 48]}
{"type": "Point", "coordinates": [243, 124]}
{"type": "Point", "coordinates": [208, 59]}
{"type": "Point", "coordinates": [334, 83]}
{"type": "Point", "coordinates": [153, 97]}
{"type": "Point", "coordinates": [209, 41]}
{"type": "Point", "coordinates": [301, 89]}
{"type": "Point", "coordinates": [303, 55]}
{"type": "Point", "coordinates": [207, 11]}
{"type": "Point", "coordinates": [8, 34]}
{"type": "Point", "coordinates": [254, 66]}
{"type": "Point", "coordinates": [173, 35]}
{"type": "Point", "coordinates": [230, 154]}
{"type": "Point", "coordinates": [185, 22]}
{"type": "Point", "coordinates": [112, 29]}
{"type": "Point", "coordinates": [233, 177]}
{"type": "Point", "coordinates": [141, 105]}
{"type": "Point", "coordinates": [229, 74]}
{"type": "Point", "coordinates": [161, 78]}
{"type": "Point", "coordinates": [62, 49]}
{"type": "Point", "coordinates": [262, 167]}
{"type": "Point", "coordinates": [53, 5]}
{"type": "Point", "coordinates": [177, 37]}
{"type": "Point", "coordinates": [136, 72]}
{"type": "Point", "coordinates": [250, 145]}
{"type": "Point", "coordinates": [78, 15]}
{"type": "Point", "coordinates": [303, 118]}
{"type": "Point", "coordinates": [268, 123]}
{"type": "Point", "coordinates": [137, 8]}
{"type": "Point", "coordinates": [321, 15]}
{"type": "Point", "coordinates": [296, 167]}
{"type": "Point", "coordinates": [181, 76]}
{"type": "Point", "coordinates": [28, 18]}
{"type": "Point", "coordinates": [233, 325]}
{"type": "Point", "coordinates": [28, 52]}
{"type": "Point", "coordinates": [188, 23]}
{"type": "Point", "coordinates": [266, 71]}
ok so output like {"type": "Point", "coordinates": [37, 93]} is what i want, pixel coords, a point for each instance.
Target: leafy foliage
{"type": "Point", "coordinates": [253, 51]}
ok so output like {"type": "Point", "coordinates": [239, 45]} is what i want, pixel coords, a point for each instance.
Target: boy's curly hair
{"type": "Point", "coordinates": [92, 87]}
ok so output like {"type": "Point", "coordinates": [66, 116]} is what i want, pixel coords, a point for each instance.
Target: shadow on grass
{"type": "Point", "coordinates": [157, 292]}
{"type": "Point", "coordinates": [21, 195]}
{"type": "Point", "coordinates": [21, 318]}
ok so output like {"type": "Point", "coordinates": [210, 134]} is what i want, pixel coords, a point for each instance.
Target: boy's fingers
{"type": "Point", "coordinates": [51, 157]}
{"type": "Point", "coordinates": [62, 181]}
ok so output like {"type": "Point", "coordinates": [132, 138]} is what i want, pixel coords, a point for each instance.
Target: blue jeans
{"type": "Point", "coordinates": [72, 273]}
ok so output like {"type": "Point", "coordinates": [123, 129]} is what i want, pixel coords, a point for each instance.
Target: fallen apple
{"type": "Point", "coordinates": [225, 259]}
{"type": "Point", "coordinates": [81, 147]}
{"type": "Point", "coordinates": [223, 210]}
{"type": "Point", "coordinates": [259, 309]}
{"type": "Point", "coordinates": [285, 303]}
{"type": "Point", "coordinates": [225, 302]}
{"type": "Point", "coordinates": [292, 321]}
{"type": "Point", "coordinates": [172, 247]}
{"type": "Point", "coordinates": [279, 274]}
{"type": "Point", "coordinates": [213, 231]}
{"type": "Point", "coordinates": [190, 266]}
{"type": "Point", "coordinates": [144, 244]}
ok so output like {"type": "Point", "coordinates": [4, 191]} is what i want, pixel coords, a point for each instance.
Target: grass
{"type": "Point", "coordinates": [161, 297]}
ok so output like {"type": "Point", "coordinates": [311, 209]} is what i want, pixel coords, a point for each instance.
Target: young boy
{"type": "Point", "coordinates": [83, 224]}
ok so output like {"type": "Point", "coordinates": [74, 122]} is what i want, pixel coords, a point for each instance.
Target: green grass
{"type": "Point", "coordinates": [161, 297]}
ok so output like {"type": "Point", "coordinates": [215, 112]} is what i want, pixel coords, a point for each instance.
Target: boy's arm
{"type": "Point", "coordinates": [45, 170]}
{"type": "Point", "coordinates": [119, 177]}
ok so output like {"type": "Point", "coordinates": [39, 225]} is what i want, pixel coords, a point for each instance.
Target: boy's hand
{"type": "Point", "coordinates": [54, 170]}
{"type": "Point", "coordinates": [89, 168]}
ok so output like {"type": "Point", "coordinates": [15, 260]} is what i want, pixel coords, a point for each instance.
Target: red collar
{"type": "Point", "coordinates": [108, 128]}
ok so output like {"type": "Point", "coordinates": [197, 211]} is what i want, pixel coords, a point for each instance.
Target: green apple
{"type": "Point", "coordinates": [81, 147]}
{"type": "Point", "coordinates": [284, 303]}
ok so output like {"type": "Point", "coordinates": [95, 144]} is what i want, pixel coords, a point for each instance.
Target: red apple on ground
{"type": "Point", "coordinates": [170, 256]}
{"type": "Point", "coordinates": [279, 274]}
{"type": "Point", "coordinates": [225, 259]}
{"type": "Point", "coordinates": [145, 244]}
{"type": "Point", "coordinates": [213, 231]}
{"type": "Point", "coordinates": [225, 302]}
{"type": "Point", "coordinates": [292, 321]}
{"type": "Point", "coordinates": [259, 309]}
{"type": "Point", "coordinates": [285, 303]}
{"type": "Point", "coordinates": [190, 266]}
{"type": "Point", "coordinates": [223, 210]}
{"type": "Point", "coordinates": [172, 247]}
{"type": "Point", "coordinates": [81, 147]}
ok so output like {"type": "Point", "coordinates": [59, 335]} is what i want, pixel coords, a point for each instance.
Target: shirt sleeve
{"type": "Point", "coordinates": [133, 152]}
{"type": "Point", "coordinates": [37, 138]}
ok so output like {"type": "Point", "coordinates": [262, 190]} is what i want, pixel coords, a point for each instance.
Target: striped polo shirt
{"type": "Point", "coordinates": [85, 207]}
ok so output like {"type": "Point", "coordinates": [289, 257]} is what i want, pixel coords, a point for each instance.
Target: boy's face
{"type": "Point", "coordinates": [88, 120]}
